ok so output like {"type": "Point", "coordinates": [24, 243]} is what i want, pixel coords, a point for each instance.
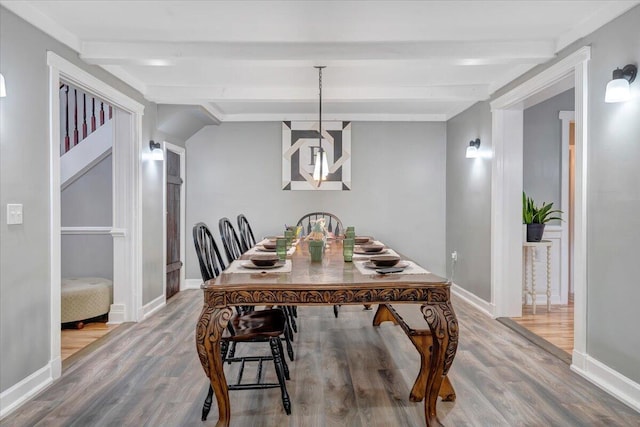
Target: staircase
{"type": "Point", "coordinates": [86, 132]}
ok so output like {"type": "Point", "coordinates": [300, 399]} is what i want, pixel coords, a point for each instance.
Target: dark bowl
{"type": "Point", "coordinates": [269, 245]}
{"type": "Point", "coordinates": [372, 247]}
{"type": "Point", "coordinates": [266, 260]}
{"type": "Point", "coordinates": [385, 260]}
{"type": "Point", "coordinates": [359, 240]}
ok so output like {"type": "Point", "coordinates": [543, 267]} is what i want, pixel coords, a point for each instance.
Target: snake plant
{"type": "Point", "coordinates": [531, 214]}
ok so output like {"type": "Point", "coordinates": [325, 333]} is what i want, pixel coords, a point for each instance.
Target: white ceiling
{"type": "Point", "coordinates": [253, 60]}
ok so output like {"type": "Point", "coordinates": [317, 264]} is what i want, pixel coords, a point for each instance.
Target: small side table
{"type": "Point", "coordinates": [530, 249]}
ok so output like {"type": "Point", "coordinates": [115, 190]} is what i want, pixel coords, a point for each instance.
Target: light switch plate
{"type": "Point", "coordinates": [14, 213]}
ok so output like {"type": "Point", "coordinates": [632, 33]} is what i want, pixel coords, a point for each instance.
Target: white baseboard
{"type": "Point", "coordinates": [482, 305]}
{"type": "Point", "coordinates": [16, 395]}
{"type": "Point", "coordinates": [541, 299]}
{"type": "Point", "coordinates": [116, 314]}
{"type": "Point", "coordinates": [192, 283]}
{"type": "Point", "coordinates": [155, 305]}
{"type": "Point", "coordinates": [56, 367]}
{"type": "Point", "coordinates": [611, 381]}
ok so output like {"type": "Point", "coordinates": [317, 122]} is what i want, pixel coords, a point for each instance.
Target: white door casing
{"type": "Point", "coordinates": [126, 228]}
{"type": "Point", "coordinates": [506, 185]}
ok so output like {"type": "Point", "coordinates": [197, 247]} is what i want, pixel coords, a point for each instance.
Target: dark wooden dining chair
{"type": "Point", "coordinates": [232, 247]}
{"type": "Point", "coordinates": [247, 238]}
{"type": "Point", "coordinates": [332, 222]}
{"type": "Point", "coordinates": [254, 326]}
{"type": "Point", "coordinates": [233, 250]}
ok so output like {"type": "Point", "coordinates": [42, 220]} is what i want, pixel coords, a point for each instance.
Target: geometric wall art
{"type": "Point", "coordinates": [299, 147]}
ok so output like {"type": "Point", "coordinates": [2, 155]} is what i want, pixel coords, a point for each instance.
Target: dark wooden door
{"type": "Point", "coordinates": [174, 187]}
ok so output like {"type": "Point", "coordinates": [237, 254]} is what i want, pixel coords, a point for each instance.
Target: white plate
{"type": "Point", "coordinates": [252, 266]}
{"type": "Point", "coordinates": [400, 264]}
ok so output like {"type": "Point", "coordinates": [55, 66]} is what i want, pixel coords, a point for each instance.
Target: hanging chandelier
{"type": "Point", "coordinates": [321, 166]}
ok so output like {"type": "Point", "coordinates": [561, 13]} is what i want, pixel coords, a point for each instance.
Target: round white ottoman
{"type": "Point", "coordinates": [85, 297]}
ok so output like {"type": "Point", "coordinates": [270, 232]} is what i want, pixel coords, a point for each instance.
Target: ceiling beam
{"type": "Point", "coordinates": [200, 94]}
{"type": "Point", "coordinates": [444, 52]}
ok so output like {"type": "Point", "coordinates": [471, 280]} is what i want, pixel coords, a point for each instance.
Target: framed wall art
{"type": "Point", "coordinates": [299, 147]}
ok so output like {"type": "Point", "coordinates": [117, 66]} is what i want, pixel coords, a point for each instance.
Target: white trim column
{"type": "Point", "coordinates": [127, 204]}
{"type": "Point", "coordinates": [506, 202]}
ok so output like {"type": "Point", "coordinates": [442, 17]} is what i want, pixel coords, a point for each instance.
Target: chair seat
{"type": "Point", "coordinates": [257, 324]}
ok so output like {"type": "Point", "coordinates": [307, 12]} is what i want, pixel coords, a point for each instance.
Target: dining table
{"type": "Point", "coordinates": [329, 282]}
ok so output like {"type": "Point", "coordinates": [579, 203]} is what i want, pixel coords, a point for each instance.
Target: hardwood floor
{"type": "Point", "coordinates": [74, 340]}
{"type": "Point", "coordinates": [346, 373]}
{"type": "Point", "coordinates": [555, 326]}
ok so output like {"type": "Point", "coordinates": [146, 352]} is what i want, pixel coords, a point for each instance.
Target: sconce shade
{"type": "Point", "coordinates": [617, 91]}
{"type": "Point", "coordinates": [472, 152]}
{"type": "Point", "coordinates": [618, 88]}
{"type": "Point", "coordinates": [473, 149]}
{"type": "Point", "coordinates": [3, 88]}
{"type": "Point", "coordinates": [156, 151]}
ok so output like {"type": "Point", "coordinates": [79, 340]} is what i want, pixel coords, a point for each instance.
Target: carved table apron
{"type": "Point", "coordinates": [329, 282]}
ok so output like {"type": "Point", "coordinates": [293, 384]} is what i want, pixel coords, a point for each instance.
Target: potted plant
{"type": "Point", "coordinates": [536, 217]}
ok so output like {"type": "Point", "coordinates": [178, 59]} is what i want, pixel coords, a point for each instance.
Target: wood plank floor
{"type": "Point", "coordinates": [347, 373]}
{"type": "Point", "coordinates": [74, 340]}
{"type": "Point", "coordinates": [555, 326]}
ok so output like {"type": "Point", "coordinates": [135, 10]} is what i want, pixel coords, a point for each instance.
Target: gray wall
{"type": "Point", "coordinates": [469, 200]}
{"type": "Point", "coordinates": [24, 178]}
{"type": "Point", "coordinates": [614, 202]}
{"type": "Point", "coordinates": [398, 176]}
{"type": "Point", "coordinates": [542, 149]}
{"type": "Point", "coordinates": [613, 197]}
{"type": "Point", "coordinates": [88, 202]}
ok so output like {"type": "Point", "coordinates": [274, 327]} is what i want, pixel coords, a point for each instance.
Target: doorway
{"type": "Point", "coordinates": [507, 187]}
{"type": "Point", "coordinates": [174, 201]}
{"type": "Point", "coordinates": [126, 211]}
{"type": "Point", "coordinates": [547, 177]}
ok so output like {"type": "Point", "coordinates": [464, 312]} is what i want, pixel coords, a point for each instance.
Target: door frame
{"type": "Point", "coordinates": [180, 151]}
{"type": "Point", "coordinates": [127, 225]}
{"type": "Point", "coordinates": [506, 194]}
{"type": "Point", "coordinates": [566, 118]}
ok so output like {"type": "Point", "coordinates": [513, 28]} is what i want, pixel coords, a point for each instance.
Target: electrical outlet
{"type": "Point", "coordinates": [14, 213]}
{"type": "Point", "coordinates": [454, 256]}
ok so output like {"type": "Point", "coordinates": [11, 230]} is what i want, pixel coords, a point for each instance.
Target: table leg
{"type": "Point", "coordinates": [443, 323]}
{"type": "Point", "coordinates": [209, 330]}
{"type": "Point", "coordinates": [533, 280]}
{"type": "Point", "coordinates": [526, 275]}
{"type": "Point", "coordinates": [549, 279]}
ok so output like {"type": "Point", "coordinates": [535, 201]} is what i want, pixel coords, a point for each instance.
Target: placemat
{"type": "Point", "coordinates": [367, 257]}
{"type": "Point", "coordinates": [236, 267]}
{"type": "Point", "coordinates": [413, 268]}
{"type": "Point", "coordinates": [254, 250]}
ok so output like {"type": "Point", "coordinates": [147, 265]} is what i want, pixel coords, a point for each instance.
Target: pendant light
{"type": "Point", "coordinates": [321, 165]}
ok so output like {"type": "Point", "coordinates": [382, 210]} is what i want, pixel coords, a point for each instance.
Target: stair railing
{"type": "Point", "coordinates": [69, 106]}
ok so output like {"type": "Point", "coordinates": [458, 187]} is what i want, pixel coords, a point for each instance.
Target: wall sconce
{"type": "Point", "coordinates": [473, 149]}
{"type": "Point", "coordinates": [3, 88]}
{"type": "Point", "coordinates": [156, 151]}
{"type": "Point", "coordinates": [618, 87]}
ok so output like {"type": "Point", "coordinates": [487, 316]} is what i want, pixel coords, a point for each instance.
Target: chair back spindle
{"type": "Point", "coordinates": [232, 247]}
{"type": "Point", "coordinates": [211, 264]}
{"type": "Point", "coordinates": [247, 239]}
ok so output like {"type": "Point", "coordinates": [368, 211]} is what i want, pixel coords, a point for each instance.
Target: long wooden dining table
{"type": "Point", "coordinates": [330, 282]}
